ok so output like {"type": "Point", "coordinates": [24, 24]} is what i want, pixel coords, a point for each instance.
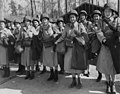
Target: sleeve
{"type": "Point", "coordinates": [83, 30]}
{"type": "Point", "coordinates": [56, 31]}
{"type": "Point", "coordinates": [50, 31]}
{"type": "Point", "coordinates": [100, 36]}
{"type": "Point", "coordinates": [64, 34]}
{"type": "Point", "coordinates": [9, 33]}
{"type": "Point", "coordinates": [118, 25]}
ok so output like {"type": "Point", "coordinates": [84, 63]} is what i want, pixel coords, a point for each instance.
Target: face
{"type": "Point", "coordinates": [60, 24]}
{"type": "Point", "coordinates": [27, 23]}
{"type": "Point", "coordinates": [96, 17]}
{"type": "Point", "coordinates": [108, 13]}
{"type": "Point", "coordinates": [2, 25]}
{"type": "Point", "coordinates": [45, 21]}
{"type": "Point", "coordinates": [17, 25]}
{"type": "Point", "coordinates": [12, 25]}
{"type": "Point", "coordinates": [82, 17]}
{"type": "Point", "coordinates": [35, 23]}
{"type": "Point", "coordinates": [73, 18]}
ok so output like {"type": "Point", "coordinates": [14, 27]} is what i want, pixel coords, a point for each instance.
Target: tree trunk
{"type": "Point", "coordinates": [1, 9]}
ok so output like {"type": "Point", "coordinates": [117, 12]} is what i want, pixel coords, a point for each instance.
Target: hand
{"type": "Point", "coordinates": [56, 43]}
{"type": "Point", "coordinates": [55, 35]}
{"type": "Point", "coordinates": [105, 20]}
{"type": "Point", "coordinates": [104, 42]}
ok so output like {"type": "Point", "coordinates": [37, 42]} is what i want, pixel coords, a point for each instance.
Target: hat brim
{"type": "Point", "coordinates": [45, 18]}
{"type": "Point", "coordinates": [83, 13]}
{"type": "Point", "coordinates": [73, 14]}
{"type": "Point", "coordinates": [2, 21]}
{"type": "Point", "coordinates": [36, 20]}
{"type": "Point", "coordinates": [96, 13]}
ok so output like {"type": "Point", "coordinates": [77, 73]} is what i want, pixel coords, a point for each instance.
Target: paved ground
{"type": "Point", "coordinates": [40, 86]}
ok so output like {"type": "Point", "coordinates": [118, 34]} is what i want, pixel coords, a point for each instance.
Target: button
{"type": "Point", "coordinates": [115, 46]}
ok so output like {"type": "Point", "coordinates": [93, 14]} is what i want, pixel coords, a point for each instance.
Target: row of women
{"type": "Point", "coordinates": [72, 45]}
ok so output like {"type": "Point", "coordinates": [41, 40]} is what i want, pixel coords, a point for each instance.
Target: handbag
{"type": "Point", "coordinates": [61, 48]}
{"type": "Point", "coordinates": [48, 42]}
{"type": "Point", "coordinates": [19, 49]}
{"type": "Point", "coordinates": [80, 40]}
{"type": "Point", "coordinates": [68, 42]}
{"type": "Point", "coordinates": [27, 42]}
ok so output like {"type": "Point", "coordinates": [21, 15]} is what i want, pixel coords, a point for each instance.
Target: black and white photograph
{"type": "Point", "coordinates": [59, 46]}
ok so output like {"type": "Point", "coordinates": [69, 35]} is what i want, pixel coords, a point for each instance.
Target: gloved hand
{"type": "Point", "coordinates": [104, 42]}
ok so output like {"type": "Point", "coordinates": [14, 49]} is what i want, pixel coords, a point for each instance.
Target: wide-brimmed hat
{"type": "Point", "coordinates": [74, 12]}
{"type": "Point", "coordinates": [111, 6]}
{"type": "Point", "coordinates": [36, 19]}
{"type": "Point", "coordinates": [83, 12]}
{"type": "Point", "coordinates": [96, 12]}
{"type": "Point", "coordinates": [28, 18]}
{"type": "Point", "coordinates": [2, 20]}
{"type": "Point", "coordinates": [45, 15]}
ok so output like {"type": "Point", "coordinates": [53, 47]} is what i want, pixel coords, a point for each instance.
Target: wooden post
{"type": "Point", "coordinates": [66, 6]}
{"type": "Point", "coordinates": [59, 7]}
{"type": "Point", "coordinates": [34, 8]}
{"type": "Point", "coordinates": [119, 7]}
{"type": "Point", "coordinates": [32, 12]}
{"type": "Point", "coordinates": [2, 9]}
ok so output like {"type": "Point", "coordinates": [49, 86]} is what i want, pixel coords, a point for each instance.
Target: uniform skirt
{"type": "Point", "coordinates": [3, 56]}
{"type": "Point", "coordinates": [105, 62]}
{"type": "Point", "coordinates": [26, 57]}
{"type": "Point", "coordinates": [68, 61]}
{"type": "Point", "coordinates": [49, 57]}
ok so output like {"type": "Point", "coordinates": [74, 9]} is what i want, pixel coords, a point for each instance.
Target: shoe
{"type": "Point", "coordinates": [5, 72]}
{"type": "Point", "coordinates": [37, 68]}
{"type": "Point", "coordinates": [108, 87]}
{"type": "Point", "coordinates": [44, 70]}
{"type": "Point", "coordinates": [51, 77]}
{"type": "Point", "coordinates": [21, 69]}
{"type": "Point", "coordinates": [28, 75]}
{"type": "Point", "coordinates": [74, 83]}
{"type": "Point", "coordinates": [79, 85]}
{"type": "Point", "coordinates": [61, 72]}
{"type": "Point", "coordinates": [32, 75]}
{"type": "Point", "coordinates": [56, 76]}
{"type": "Point", "coordinates": [86, 74]}
{"type": "Point", "coordinates": [99, 77]}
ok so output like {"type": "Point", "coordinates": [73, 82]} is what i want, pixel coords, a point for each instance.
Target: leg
{"type": "Point", "coordinates": [61, 62]}
{"type": "Point", "coordinates": [28, 72]}
{"type": "Point", "coordinates": [107, 83]}
{"type": "Point", "coordinates": [51, 77]}
{"type": "Point", "coordinates": [99, 77]}
{"type": "Point", "coordinates": [37, 66]}
{"type": "Point", "coordinates": [86, 72]}
{"type": "Point", "coordinates": [56, 74]}
{"type": "Point", "coordinates": [32, 73]}
{"type": "Point", "coordinates": [44, 70]}
{"type": "Point", "coordinates": [73, 84]}
{"type": "Point", "coordinates": [112, 84]}
{"type": "Point", "coordinates": [79, 85]}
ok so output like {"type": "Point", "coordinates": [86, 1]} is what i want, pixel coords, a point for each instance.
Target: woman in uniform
{"type": "Point", "coordinates": [60, 54]}
{"type": "Point", "coordinates": [95, 44]}
{"type": "Point", "coordinates": [87, 24]}
{"type": "Point", "coordinates": [36, 45]}
{"type": "Point", "coordinates": [26, 57]}
{"type": "Point", "coordinates": [108, 60]}
{"type": "Point", "coordinates": [49, 54]}
{"type": "Point", "coordinates": [18, 43]}
{"type": "Point", "coordinates": [75, 56]}
{"type": "Point", "coordinates": [4, 34]}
